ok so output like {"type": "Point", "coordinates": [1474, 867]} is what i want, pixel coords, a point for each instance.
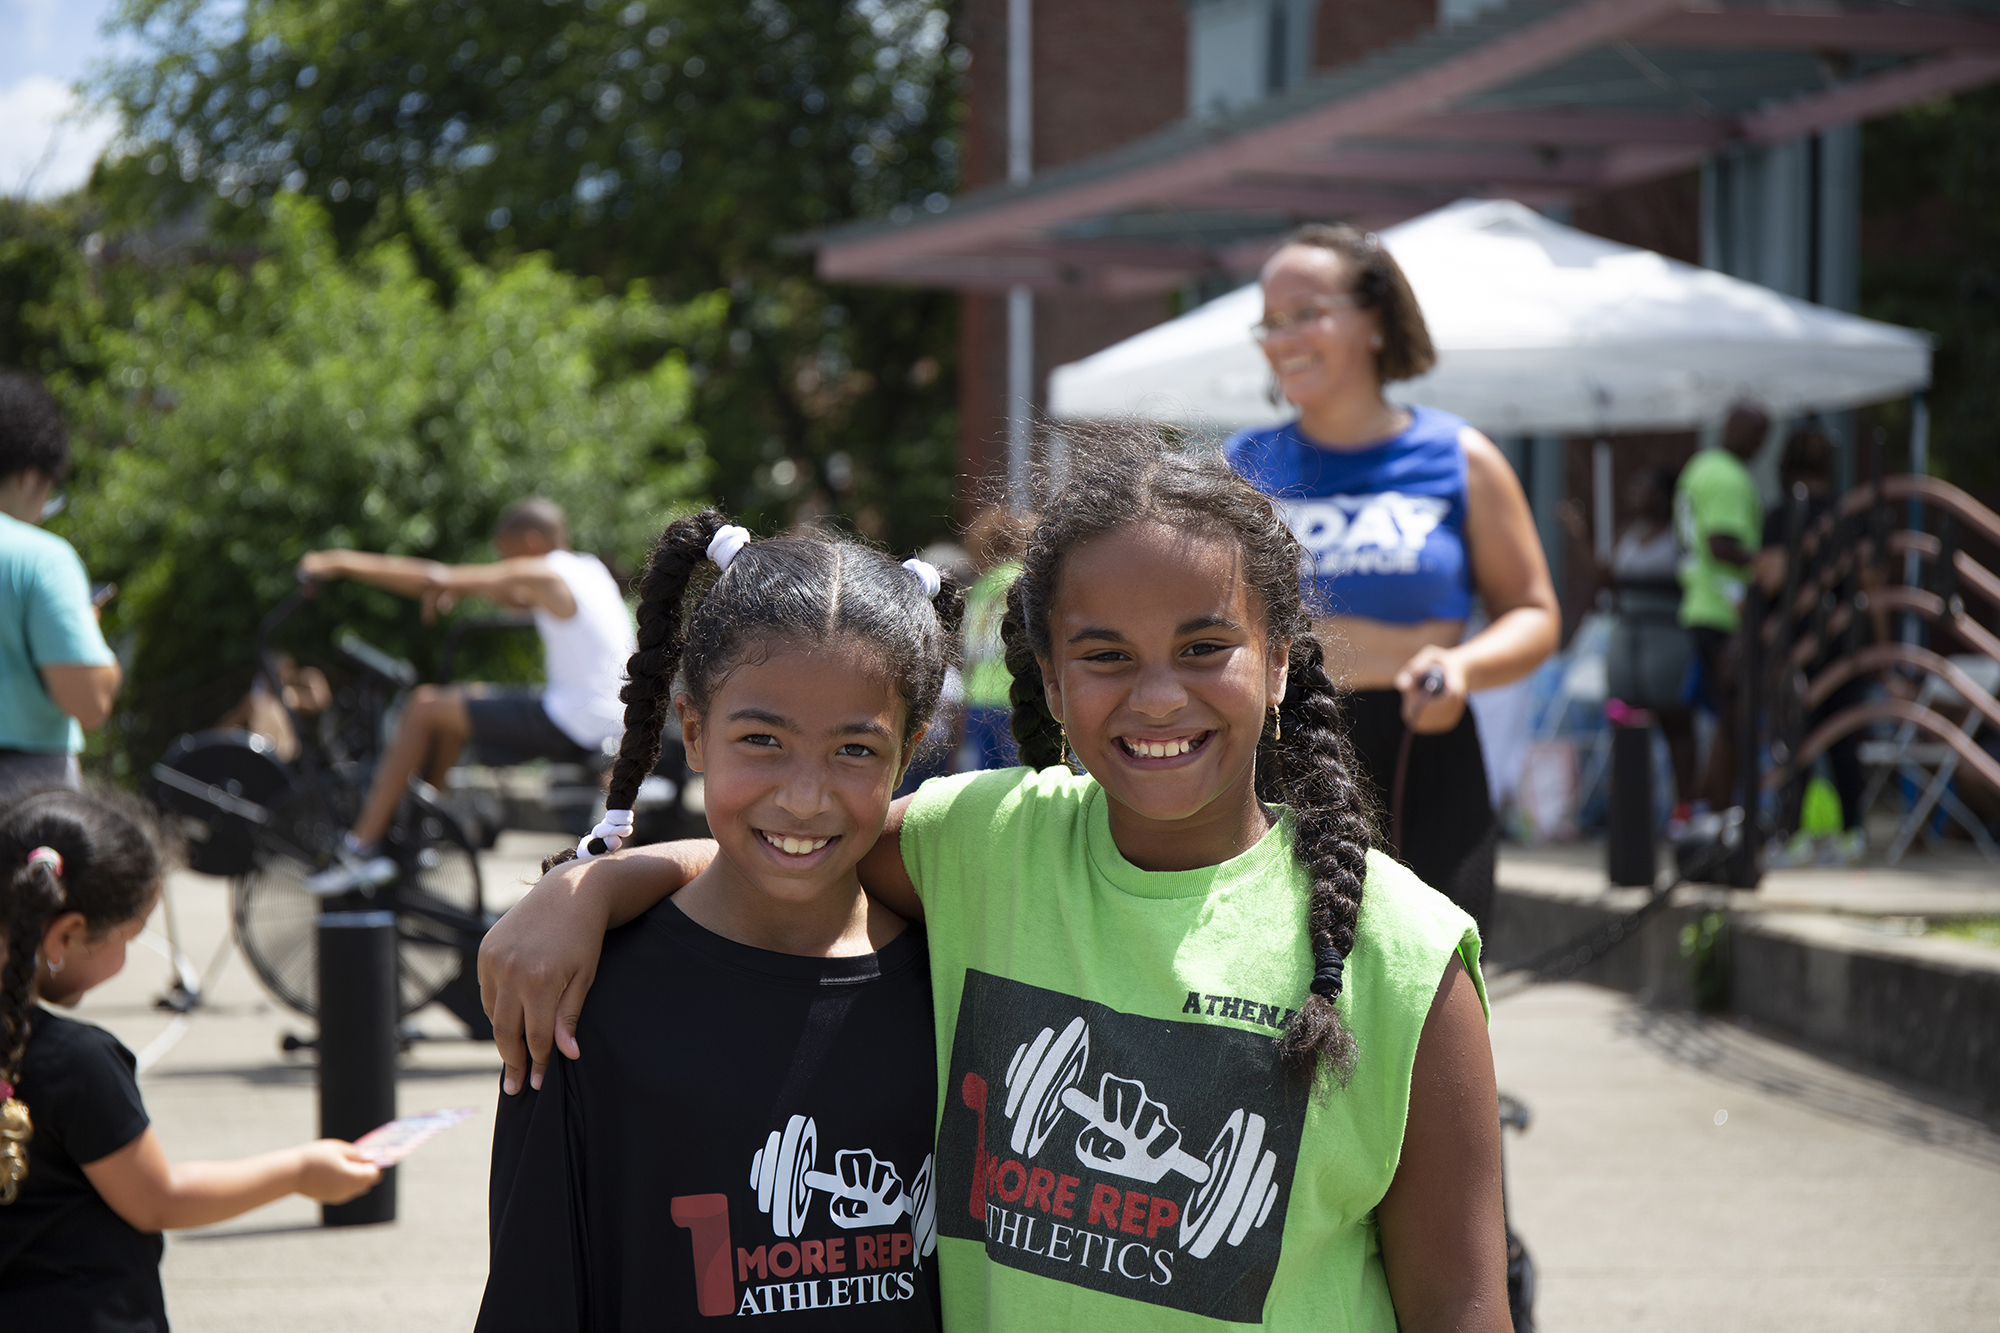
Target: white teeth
{"type": "Point", "coordinates": [1160, 749]}
{"type": "Point", "coordinates": [796, 846]}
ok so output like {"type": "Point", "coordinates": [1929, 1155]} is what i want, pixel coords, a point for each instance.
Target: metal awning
{"type": "Point", "coordinates": [1541, 101]}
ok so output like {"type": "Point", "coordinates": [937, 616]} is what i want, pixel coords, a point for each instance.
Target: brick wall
{"type": "Point", "coordinates": [1662, 215]}
{"type": "Point", "coordinates": [1351, 29]}
{"type": "Point", "coordinates": [1106, 72]}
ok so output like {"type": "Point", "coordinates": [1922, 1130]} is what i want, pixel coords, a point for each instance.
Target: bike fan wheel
{"type": "Point", "coordinates": [438, 894]}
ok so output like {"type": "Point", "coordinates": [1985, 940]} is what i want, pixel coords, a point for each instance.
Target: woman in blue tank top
{"type": "Point", "coordinates": [1409, 516]}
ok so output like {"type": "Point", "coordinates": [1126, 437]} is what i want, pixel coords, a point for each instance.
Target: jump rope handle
{"type": "Point", "coordinates": [1432, 684]}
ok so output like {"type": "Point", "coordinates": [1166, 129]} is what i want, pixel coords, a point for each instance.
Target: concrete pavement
{"type": "Point", "coordinates": [1825, 1200]}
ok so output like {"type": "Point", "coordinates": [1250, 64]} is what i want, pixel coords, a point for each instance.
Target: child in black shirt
{"type": "Point", "coordinates": [85, 1187]}
{"type": "Point", "coordinates": [752, 1133]}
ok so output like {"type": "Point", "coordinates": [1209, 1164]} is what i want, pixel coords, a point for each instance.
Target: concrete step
{"type": "Point", "coordinates": [1834, 959]}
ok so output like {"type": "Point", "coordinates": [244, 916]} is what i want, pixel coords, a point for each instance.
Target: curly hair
{"type": "Point", "coordinates": [1132, 474]}
{"type": "Point", "coordinates": [809, 588]}
{"type": "Point", "coordinates": [32, 434]}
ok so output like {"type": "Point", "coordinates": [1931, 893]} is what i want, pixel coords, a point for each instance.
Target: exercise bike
{"type": "Point", "coordinates": [269, 826]}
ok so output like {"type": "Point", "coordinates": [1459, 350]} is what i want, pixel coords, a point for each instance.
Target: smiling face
{"type": "Point", "coordinates": [1162, 675]}
{"type": "Point", "coordinates": [1324, 360]}
{"type": "Point", "coordinates": [800, 751]}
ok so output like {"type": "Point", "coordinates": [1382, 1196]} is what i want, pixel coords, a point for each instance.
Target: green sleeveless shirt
{"type": "Point", "coordinates": [1117, 1144]}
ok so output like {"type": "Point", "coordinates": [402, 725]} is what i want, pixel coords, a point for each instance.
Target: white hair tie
{"type": "Point", "coordinates": [727, 541]}
{"type": "Point", "coordinates": [610, 833]}
{"type": "Point", "coordinates": [927, 574]}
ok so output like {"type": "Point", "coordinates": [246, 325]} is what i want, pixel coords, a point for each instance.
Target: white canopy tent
{"type": "Point", "coordinates": [1540, 329]}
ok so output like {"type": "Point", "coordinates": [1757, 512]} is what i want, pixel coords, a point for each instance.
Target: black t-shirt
{"type": "Point", "coordinates": [747, 1133]}
{"type": "Point", "coordinates": [66, 1260]}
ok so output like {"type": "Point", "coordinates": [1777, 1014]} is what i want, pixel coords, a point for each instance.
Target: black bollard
{"type": "Point", "coordinates": [357, 1045]}
{"type": "Point", "coordinates": [1628, 833]}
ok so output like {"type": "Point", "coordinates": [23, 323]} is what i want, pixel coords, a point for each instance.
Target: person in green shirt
{"type": "Point", "coordinates": [1719, 519]}
{"type": "Point", "coordinates": [994, 541]}
{"type": "Point", "coordinates": [1206, 1059]}
{"type": "Point", "coordinates": [57, 677]}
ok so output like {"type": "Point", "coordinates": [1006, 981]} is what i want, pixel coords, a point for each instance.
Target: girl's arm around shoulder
{"type": "Point", "coordinates": [1442, 1223]}
{"type": "Point", "coordinates": [538, 962]}
{"type": "Point", "coordinates": [143, 1188]}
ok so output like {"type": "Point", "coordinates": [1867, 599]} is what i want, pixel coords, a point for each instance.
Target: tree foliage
{"type": "Point", "coordinates": [1931, 260]}
{"type": "Point", "coordinates": [248, 415]}
{"type": "Point", "coordinates": [678, 140]}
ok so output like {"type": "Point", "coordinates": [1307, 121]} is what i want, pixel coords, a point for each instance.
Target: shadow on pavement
{"type": "Point", "coordinates": [1749, 1058]}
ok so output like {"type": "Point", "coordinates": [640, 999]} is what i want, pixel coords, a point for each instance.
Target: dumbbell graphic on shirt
{"type": "Point", "coordinates": [1127, 1133]}
{"type": "Point", "coordinates": [863, 1190]}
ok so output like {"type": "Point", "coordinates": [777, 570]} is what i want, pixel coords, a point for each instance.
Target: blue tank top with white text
{"type": "Point", "coordinates": [1384, 526]}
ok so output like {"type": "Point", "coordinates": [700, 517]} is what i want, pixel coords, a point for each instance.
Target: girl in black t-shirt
{"type": "Point", "coordinates": [752, 1133]}
{"type": "Point", "coordinates": [85, 1187]}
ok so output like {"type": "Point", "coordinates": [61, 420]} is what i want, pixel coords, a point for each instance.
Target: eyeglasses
{"type": "Point", "coordinates": [1317, 312]}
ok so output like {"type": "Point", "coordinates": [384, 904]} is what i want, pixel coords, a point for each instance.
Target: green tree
{"type": "Point", "coordinates": [248, 415]}
{"type": "Point", "coordinates": [677, 140]}
{"type": "Point", "coordinates": [1931, 260]}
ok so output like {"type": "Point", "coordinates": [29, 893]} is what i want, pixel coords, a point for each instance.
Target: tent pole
{"type": "Point", "coordinates": [1020, 391]}
{"type": "Point", "coordinates": [1601, 501]}
{"type": "Point", "coordinates": [1020, 301]}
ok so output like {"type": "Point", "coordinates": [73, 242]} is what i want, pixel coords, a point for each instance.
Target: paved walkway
{"type": "Point", "coordinates": [1825, 1201]}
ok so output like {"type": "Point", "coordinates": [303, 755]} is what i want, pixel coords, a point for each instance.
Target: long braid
{"type": "Point", "coordinates": [1313, 766]}
{"type": "Point", "coordinates": [1037, 734]}
{"type": "Point", "coordinates": [30, 900]}
{"type": "Point", "coordinates": [649, 673]}
{"type": "Point", "coordinates": [649, 676]}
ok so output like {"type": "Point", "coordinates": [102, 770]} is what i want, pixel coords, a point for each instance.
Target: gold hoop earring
{"type": "Point", "coordinates": [1062, 733]}
{"type": "Point", "coordinates": [1277, 724]}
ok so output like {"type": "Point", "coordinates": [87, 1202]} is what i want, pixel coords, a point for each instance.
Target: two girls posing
{"type": "Point", "coordinates": [1199, 1054]}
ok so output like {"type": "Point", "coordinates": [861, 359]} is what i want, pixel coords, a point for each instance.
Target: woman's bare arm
{"type": "Point", "coordinates": [1443, 1225]}
{"type": "Point", "coordinates": [539, 960]}
{"type": "Point", "coordinates": [1511, 573]}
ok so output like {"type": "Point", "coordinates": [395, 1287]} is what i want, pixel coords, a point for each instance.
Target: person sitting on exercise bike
{"type": "Point", "coordinates": [586, 638]}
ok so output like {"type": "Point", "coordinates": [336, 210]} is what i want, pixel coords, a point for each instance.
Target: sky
{"type": "Point", "coordinates": [48, 140]}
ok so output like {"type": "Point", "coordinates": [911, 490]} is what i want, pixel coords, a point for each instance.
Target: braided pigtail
{"type": "Point", "coordinates": [1313, 769]}
{"type": "Point", "coordinates": [32, 897]}
{"type": "Point", "coordinates": [1036, 731]}
{"type": "Point", "coordinates": [649, 674]}
{"type": "Point", "coordinates": [60, 851]}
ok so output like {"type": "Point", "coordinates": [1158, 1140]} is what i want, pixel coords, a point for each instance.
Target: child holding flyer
{"type": "Point", "coordinates": [85, 1186]}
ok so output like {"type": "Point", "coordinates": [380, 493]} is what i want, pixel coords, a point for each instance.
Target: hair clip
{"type": "Point", "coordinates": [927, 574]}
{"type": "Point", "coordinates": [49, 855]}
{"type": "Point", "coordinates": [727, 541]}
{"type": "Point", "coordinates": [611, 831]}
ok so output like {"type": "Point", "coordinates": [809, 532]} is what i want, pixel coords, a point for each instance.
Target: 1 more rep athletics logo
{"type": "Point", "coordinates": [1141, 1156]}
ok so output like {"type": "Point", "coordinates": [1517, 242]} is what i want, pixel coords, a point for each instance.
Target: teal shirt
{"type": "Point", "coordinates": [45, 620]}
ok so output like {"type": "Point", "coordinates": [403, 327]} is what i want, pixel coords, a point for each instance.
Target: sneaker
{"type": "Point", "coordinates": [1801, 849]}
{"type": "Point", "coordinates": [352, 872]}
{"type": "Point", "coordinates": [1846, 849]}
{"type": "Point", "coordinates": [1677, 822]}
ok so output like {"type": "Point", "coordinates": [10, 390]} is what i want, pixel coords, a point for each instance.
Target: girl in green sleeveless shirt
{"type": "Point", "coordinates": [1204, 1057]}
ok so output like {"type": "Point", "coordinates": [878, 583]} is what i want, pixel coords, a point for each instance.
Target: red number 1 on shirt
{"type": "Point", "coordinates": [706, 1217]}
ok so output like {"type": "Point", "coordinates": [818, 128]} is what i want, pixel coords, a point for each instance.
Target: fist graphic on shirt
{"type": "Point", "coordinates": [863, 1190]}
{"type": "Point", "coordinates": [1128, 1133]}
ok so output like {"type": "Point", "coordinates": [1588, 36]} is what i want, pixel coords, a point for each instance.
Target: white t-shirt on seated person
{"type": "Point", "coordinates": [584, 655]}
